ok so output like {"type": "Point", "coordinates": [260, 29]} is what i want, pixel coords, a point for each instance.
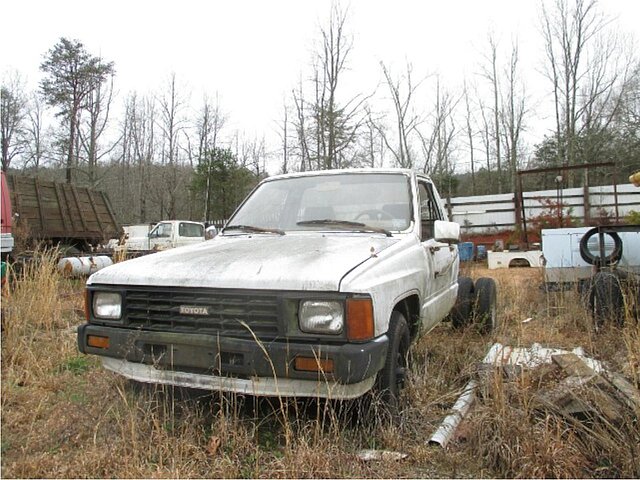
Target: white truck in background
{"type": "Point", "coordinates": [161, 236]}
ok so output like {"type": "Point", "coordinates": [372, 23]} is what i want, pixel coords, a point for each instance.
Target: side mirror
{"type": "Point", "coordinates": [446, 232]}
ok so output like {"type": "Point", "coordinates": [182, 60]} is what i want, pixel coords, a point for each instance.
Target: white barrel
{"type": "Point", "coordinates": [82, 266]}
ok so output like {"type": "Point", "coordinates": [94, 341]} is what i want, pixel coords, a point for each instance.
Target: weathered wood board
{"type": "Point", "coordinates": [53, 210]}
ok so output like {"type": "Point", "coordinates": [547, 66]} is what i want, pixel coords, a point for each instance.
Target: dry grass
{"type": "Point", "coordinates": [64, 416]}
{"type": "Point", "coordinates": [516, 434]}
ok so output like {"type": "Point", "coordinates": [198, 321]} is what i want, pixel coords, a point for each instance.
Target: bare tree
{"type": "Point", "coordinates": [98, 107]}
{"type": "Point", "coordinates": [13, 112]}
{"type": "Point", "coordinates": [567, 32]}
{"type": "Point", "coordinates": [138, 139]}
{"type": "Point", "coordinates": [302, 130]}
{"type": "Point", "coordinates": [209, 124]}
{"type": "Point", "coordinates": [490, 73]}
{"type": "Point", "coordinates": [335, 50]}
{"type": "Point", "coordinates": [284, 138]}
{"type": "Point", "coordinates": [406, 119]}
{"type": "Point", "coordinates": [589, 69]}
{"type": "Point", "coordinates": [512, 115]}
{"type": "Point", "coordinates": [327, 127]}
{"type": "Point", "coordinates": [171, 123]}
{"type": "Point", "coordinates": [438, 144]}
{"type": "Point", "coordinates": [471, 133]}
{"type": "Point", "coordinates": [36, 145]}
{"type": "Point", "coordinates": [374, 144]}
{"type": "Point", "coordinates": [486, 142]}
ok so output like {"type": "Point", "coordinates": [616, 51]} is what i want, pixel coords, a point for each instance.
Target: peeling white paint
{"type": "Point", "coordinates": [296, 261]}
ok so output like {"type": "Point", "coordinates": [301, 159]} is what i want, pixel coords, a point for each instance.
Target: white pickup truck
{"type": "Point", "coordinates": [315, 288]}
{"type": "Point", "coordinates": [161, 236]}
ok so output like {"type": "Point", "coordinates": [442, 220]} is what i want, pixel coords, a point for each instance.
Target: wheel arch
{"type": "Point", "coordinates": [519, 262]}
{"type": "Point", "coordinates": [409, 306]}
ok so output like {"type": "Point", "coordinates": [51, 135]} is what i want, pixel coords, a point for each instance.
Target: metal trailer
{"type": "Point", "coordinates": [613, 292]}
{"type": "Point", "coordinates": [564, 262]}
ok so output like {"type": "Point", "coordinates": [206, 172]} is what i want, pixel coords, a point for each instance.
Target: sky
{"type": "Point", "coordinates": [252, 53]}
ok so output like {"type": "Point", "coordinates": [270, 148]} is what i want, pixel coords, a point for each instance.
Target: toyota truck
{"type": "Point", "coordinates": [315, 287]}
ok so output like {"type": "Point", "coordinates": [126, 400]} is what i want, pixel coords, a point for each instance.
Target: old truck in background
{"type": "Point", "coordinates": [74, 217]}
{"type": "Point", "coordinates": [80, 222]}
{"type": "Point", "coordinates": [314, 288]}
{"type": "Point", "coordinates": [163, 235]}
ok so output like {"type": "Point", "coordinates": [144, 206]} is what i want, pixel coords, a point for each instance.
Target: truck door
{"type": "Point", "coordinates": [189, 233]}
{"type": "Point", "coordinates": [440, 256]}
{"type": "Point", "coordinates": [161, 236]}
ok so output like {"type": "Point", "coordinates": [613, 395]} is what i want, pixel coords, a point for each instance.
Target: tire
{"type": "Point", "coordinates": [486, 308]}
{"type": "Point", "coordinates": [606, 300]}
{"type": "Point", "coordinates": [392, 376]}
{"type": "Point", "coordinates": [592, 259]}
{"type": "Point", "coordinates": [462, 312]}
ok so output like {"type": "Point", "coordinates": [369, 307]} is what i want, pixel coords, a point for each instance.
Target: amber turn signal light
{"type": "Point", "coordinates": [97, 342]}
{"type": "Point", "coordinates": [359, 319]}
{"type": "Point", "coordinates": [312, 364]}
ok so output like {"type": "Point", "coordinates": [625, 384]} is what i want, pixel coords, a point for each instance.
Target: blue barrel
{"type": "Point", "coordinates": [482, 252]}
{"type": "Point", "coordinates": [466, 251]}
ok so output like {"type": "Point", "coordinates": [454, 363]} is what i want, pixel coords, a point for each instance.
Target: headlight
{"type": "Point", "coordinates": [107, 305]}
{"type": "Point", "coordinates": [321, 316]}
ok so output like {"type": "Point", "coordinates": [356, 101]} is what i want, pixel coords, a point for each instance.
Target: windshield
{"type": "Point", "coordinates": [346, 201]}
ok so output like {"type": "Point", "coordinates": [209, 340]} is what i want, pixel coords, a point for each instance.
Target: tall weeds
{"type": "Point", "coordinates": [36, 304]}
{"type": "Point", "coordinates": [518, 432]}
{"type": "Point", "coordinates": [64, 416]}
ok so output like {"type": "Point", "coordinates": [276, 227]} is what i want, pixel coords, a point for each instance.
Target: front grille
{"type": "Point", "coordinates": [159, 309]}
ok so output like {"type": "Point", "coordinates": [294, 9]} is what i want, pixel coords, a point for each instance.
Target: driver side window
{"type": "Point", "coordinates": [429, 211]}
{"type": "Point", "coordinates": [163, 230]}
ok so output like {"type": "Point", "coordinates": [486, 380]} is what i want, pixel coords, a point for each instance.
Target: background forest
{"type": "Point", "coordinates": [161, 155]}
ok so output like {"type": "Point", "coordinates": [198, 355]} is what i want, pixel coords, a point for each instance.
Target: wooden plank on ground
{"type": "Point", "coordinates": [573, 365]}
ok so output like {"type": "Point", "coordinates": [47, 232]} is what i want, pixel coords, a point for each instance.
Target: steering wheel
{"type": "Point", "coordinates": [374, 214]}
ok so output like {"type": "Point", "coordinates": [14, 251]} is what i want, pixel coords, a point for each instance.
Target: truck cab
{"type": "Point", "coordinates": [161, 236]}
{"type": "Point", "coordinates": [175, 233]}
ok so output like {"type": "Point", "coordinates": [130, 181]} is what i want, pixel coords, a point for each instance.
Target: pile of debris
{"type": "Point", "coordinates": [571, 384]}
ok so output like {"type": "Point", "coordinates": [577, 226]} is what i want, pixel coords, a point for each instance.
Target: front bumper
{"type": "Point", "coordinates": [258, 386]}
{"type": "Point", "coordinates": [234, 364]}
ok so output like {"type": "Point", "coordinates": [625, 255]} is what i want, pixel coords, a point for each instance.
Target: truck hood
{"type": "Point", "coordinates": [315, 262]}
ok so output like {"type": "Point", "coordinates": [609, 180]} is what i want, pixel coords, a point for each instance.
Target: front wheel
{"type": "Point", "coordinates": [392, 377]}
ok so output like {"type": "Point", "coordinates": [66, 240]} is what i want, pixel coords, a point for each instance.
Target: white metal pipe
{"type": "Point", "coordinates": [448, 426]}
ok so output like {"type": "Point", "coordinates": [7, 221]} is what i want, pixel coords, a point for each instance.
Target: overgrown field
{"type": "Point", "coordinates": [64, 416]}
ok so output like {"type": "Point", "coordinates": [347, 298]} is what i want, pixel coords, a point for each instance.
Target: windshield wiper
{"type": "Point", "coordinates": [355, 226]}
{"type": "Point", "coordinates": [251, 228]}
